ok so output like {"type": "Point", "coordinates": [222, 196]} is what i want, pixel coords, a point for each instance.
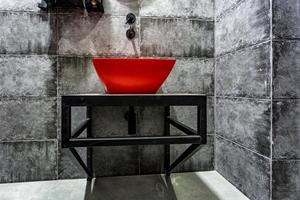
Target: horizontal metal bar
{"type": "Point", "coordinates": [125, 141]}
{"type": "Point", "coordinates": [132, 100]}
{"type": "Point", "coordinates": [80, 128]}
{"type": "Point", "coordinates": [184, 128]}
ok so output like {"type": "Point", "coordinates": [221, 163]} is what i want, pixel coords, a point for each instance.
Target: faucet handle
{"type": "Point", "coordinates": [130, 34]}
{"type": "Point", "coordinates": [130, 18]}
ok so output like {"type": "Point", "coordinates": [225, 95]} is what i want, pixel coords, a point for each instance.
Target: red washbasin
{"type": "Point", "coordinates": [133, 75]}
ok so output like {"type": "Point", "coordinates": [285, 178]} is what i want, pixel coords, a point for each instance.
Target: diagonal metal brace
{"type": "Point", "coordinates": [189, 152]}
{"type": "Point", "coordinates": [78, 158]}
{"type": "Point", "coordinates": [182, 127]}
{"type": "Point", "coordinates": [80, 128]}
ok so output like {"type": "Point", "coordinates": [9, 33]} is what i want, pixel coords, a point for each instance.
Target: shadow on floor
{"type": "Point", "coordinates": [149, 187]}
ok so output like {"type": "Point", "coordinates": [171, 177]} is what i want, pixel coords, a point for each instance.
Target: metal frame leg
{"type": "Point", "coordinates": [167, 133]}
{"type": "Point", "coordinates": [202, 121]}
{"type": "Point", "coordinates": [89, 150]}
{"type": "Point", "coordinates": [194, 148]}
{"type": "Point", "coordinates": [194, 137]}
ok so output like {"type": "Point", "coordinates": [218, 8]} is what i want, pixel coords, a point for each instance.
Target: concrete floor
{"type": "Point", "coordinates": [180, 186]}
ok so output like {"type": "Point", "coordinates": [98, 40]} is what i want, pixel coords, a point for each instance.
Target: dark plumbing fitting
{"type": "Point", "coordinates": [94, 6]}
{"type": "Point", "coordinates": [130, 19]}
{"type": "Point", "coordinates": [89, 5]}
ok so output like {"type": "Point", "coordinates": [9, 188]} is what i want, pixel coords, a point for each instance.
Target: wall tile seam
{"type": "Point", "coordinates": [241, 48]}
{"type": "Point", "coordinates": [27, 141]}
{"type": "Point", "coordinates": [91, 14]}
{"type": "Point", "coordinates": [272, 94]}
{"type": "Point", "coordinates": [275, 99]}
{"type": "Point", "coordinates": [285, 39]}
{"type": "Point", "coordinates": [57, 148]}
{"type": "Point", "coordinates": [18, 97]}
{"type": "Point", "coordinates": [228, 10]}
{"type": "Point", "coordinates": [105, 15]}
{"type": "Point", "coordinates": [58, 120]}
{"type": "Point", "coordinates": [127, 56]}
{"type": "Point", "coordinates": [141, 17]}
{"type": "Point", "coordinates": [29, 97]}
{"type": "Point", "coordinates": [92, 56]}
{"type": "Point", "coordinates": [285, 160]}
{"type": "Point", "coordinates": [70, 14]}
{"type": "Point", "coordinates": [215, 90]}
{"type": "Point", "coordinates": [243, 147]}
{"type": "Point", "coordinates": [178, 18]}
{"type": "Point", "coordinates": [28, 11]}
{"type": "Point", "coordinates": [245, 98]}
{"type": "Point", "coordinates": [263, 97]}
{"type": "Point", "coordinates": [16, 55]}
{"type": "Point", "coordinates": [28, 54]}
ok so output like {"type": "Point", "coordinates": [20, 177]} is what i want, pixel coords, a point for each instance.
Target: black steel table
{"type": "Point", "coordinates": [194, 137]}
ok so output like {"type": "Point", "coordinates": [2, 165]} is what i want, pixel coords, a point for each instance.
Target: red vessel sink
{"type": "Point", "coordinates": [133, 75]}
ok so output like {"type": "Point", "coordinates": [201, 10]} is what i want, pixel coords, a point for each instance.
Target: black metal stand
{"type": "Point", "coordinates": [194, 137]}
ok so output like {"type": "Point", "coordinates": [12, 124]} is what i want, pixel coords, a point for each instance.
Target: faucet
{"type": "Point", "coordinates": [130, 19]}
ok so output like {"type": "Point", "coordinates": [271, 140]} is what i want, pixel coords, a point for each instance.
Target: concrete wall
{"type": "Point", "coordinates": [46, 55]}
{"type": "Point", "coordinates": [257, 91]}
{"type": "Point", "coordinates": [243, 95]}
{"type": "Point", "coordinates": [286, 100]}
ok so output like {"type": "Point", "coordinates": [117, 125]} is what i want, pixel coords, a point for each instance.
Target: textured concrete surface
{"type": "Point", "coordinates": [182, 186]}
{"type": "Point", "coordinates": [16, 5]}
{"type": "Point", "coordinates": [247, 122]}
{"type": "Point", "coordinates": [187, 115]}
{"type": "Point", "coordinates": [28, 161]}
{"type": "Point", "coordinates": [286, 129]}
{"type": "Point", "coordinates": [248, 171]}
{"type": "Point", "coordinates": [68, 166]}
{"type": "Point", "coordinates": [77, 75]}
{"type": "Point", "coordinates": [177, 37]}
{"type": "Point", "coordinates": [27, 33]}
{"type": "Point", "coordinates": [191, 75]}
{"type": "Point", "coordinates": [27, 76]}
{"type": "Point", "coordinates": [203, 160]}
{"type": "Point", "coordinates": [286, 19]}
{"type": "Point", "coordinates": [150, 121]}
{"type": "Point", "coordinates": [224, 6]}
{"type": "Point", "coordinates": [121, 7]}
{"type": "Point", "coordinates": [27, 118]}
{"type": "Point", "coordinates": [169, 8]}
{"type": "Point", "coordinates": [111, 8]}
{"type": "Point", "coordinates": [286, 67]}
{"type": "Point", "coordinates": [95, 35]}
{"type": "Point", "coordinates": [245, 73]}
{"type": "Point", "coordinates": [110, 121]}
{"type": "Point", "coordinates": [286, 180]}
{"type": "Point", "coordinates": [247, 24]}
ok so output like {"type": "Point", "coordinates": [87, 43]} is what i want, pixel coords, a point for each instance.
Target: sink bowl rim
{"type": "Point", "coordinates": [134, 58]}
